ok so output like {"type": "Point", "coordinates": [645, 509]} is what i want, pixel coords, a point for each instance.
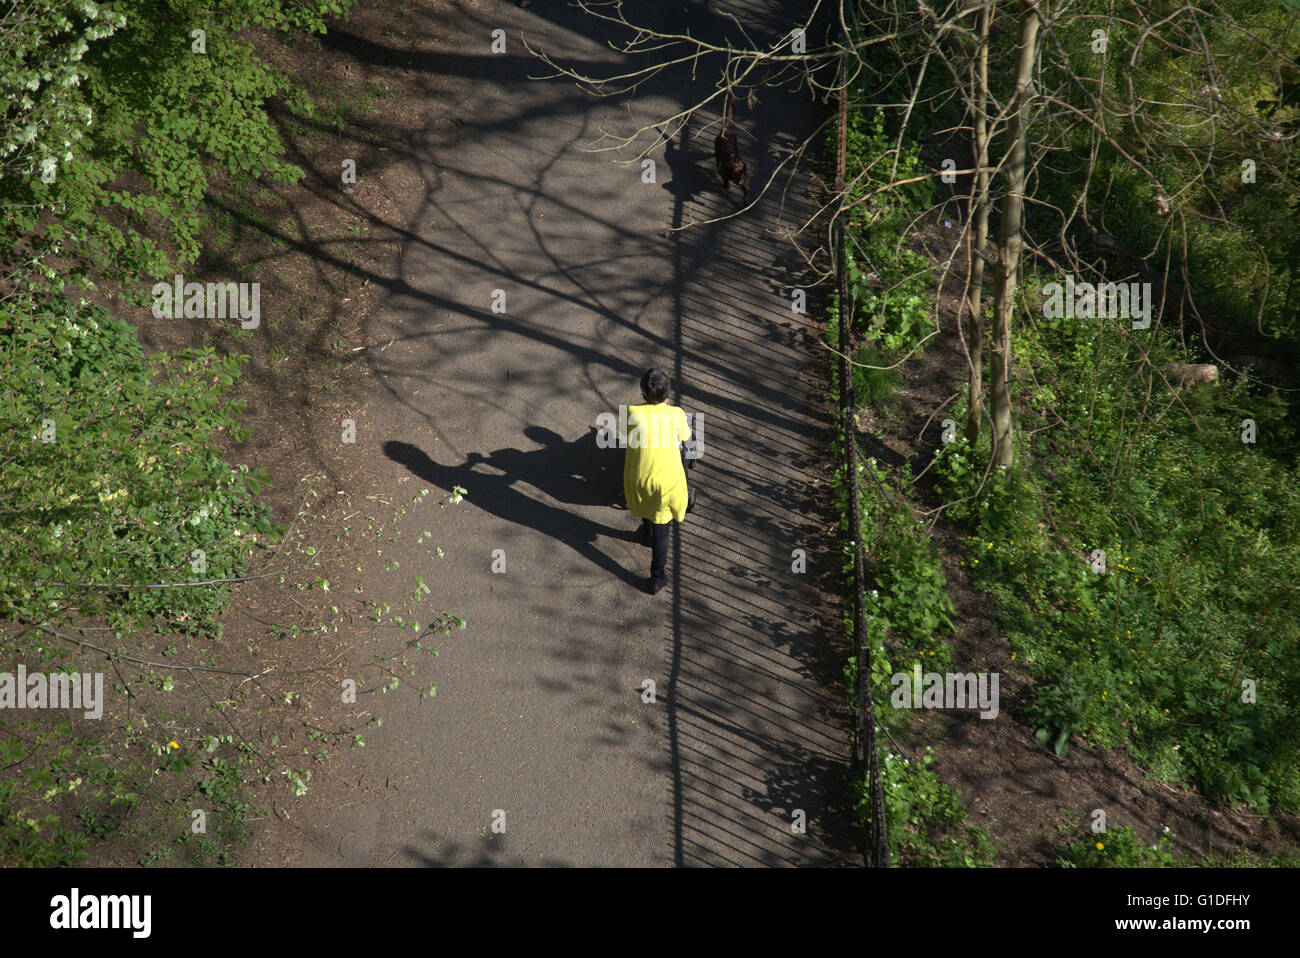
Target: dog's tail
{"type": "Point", "coordinates": [729, 116]}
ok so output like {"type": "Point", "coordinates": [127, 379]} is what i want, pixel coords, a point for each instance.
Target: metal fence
{"type": "Point", "coordinates": [865, 754]}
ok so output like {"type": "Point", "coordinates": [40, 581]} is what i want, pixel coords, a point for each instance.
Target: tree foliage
{"type": "Point", "coordinates": [123, 118]}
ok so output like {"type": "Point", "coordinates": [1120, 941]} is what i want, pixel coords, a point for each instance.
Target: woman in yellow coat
{"type": "Point", "coordinates": [654, 477]}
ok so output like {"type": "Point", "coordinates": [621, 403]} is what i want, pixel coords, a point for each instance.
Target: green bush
{"type": "Point", "coordinates": [926, 821]}
{"type": "Point", "coordinates": [122, 121]}
{"type": "Point", "coordinates": [891, 310]}
{"type": "Point", "coordinates": [133, 488]}
{"type": "Point", "coordinates": [1120, 848]}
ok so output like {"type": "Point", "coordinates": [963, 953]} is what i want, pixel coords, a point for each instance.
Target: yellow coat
{"type": "Point", "coordinates": [654, 481]}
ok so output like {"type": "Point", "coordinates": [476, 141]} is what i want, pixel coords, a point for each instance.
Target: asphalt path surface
{"type": "Point", "coordinates": [541, 710]}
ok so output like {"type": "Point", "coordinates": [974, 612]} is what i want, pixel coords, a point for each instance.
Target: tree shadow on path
{"type": "Point", "coordinates": [574, 472]}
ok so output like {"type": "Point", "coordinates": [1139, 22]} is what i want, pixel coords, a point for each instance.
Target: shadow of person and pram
{"type": "Point", "coordinates": [573, 472]}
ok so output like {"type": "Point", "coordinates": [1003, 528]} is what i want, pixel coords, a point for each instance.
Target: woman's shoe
{"type": "Point", "coordinates": [657, 584]}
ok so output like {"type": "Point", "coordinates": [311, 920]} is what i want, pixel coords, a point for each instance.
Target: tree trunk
{"type": "Point", "coordinates": [979, 239]}
{"type": "Point", "coordinates": [1010, 240]}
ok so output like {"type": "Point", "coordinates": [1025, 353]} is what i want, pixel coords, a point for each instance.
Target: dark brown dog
{"type": "Point", "coordinates": [731, 168]}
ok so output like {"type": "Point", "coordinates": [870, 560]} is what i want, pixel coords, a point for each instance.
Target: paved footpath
{"type": "Point", "coordinates": [539, 710]}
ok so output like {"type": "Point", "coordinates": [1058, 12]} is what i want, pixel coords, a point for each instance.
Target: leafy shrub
{"type": "Point", "coordinates": [133, 489]}
{"type": "Point", "coordinates": [132, 121]}
{"type": "Point", "coordinates": [907, 594]}
{"type": "Point", "coordinates": [926, 821]}
{"type": "Point", "coordinates": [1118, 848]}
{"type": "Point", "coordinates": [891, 309]}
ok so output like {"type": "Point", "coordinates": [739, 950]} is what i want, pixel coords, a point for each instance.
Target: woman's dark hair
{"type": "Point", "coordinates": [655, 385]}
